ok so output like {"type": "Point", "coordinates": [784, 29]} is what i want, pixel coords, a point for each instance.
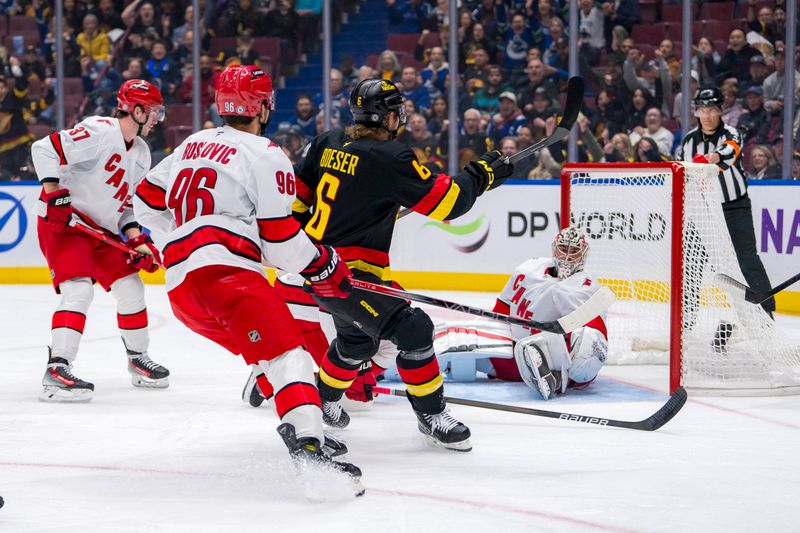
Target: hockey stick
{"type": "Point", "coordinates": [752, 295]}
{"type": "Point", "coordinates": [572, 107]}
{"type": "Point", "coordinates": [596, 304]}
{"type": "Point", "coordinates": [106, 239]}
{"type": "Point", "coordinates": [651, 423]}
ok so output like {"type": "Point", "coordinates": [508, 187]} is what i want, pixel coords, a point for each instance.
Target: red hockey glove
{"type": "Point", "coordinates": [59, 210]}
{"type": "Point", "coordinates": [361, 388]}
{"type": "Point", "coordinates": [149, 261]}
{"type": "Point", "coordinates": [699, 158]}
{"type": "Point", "coordinates": [328, 274]}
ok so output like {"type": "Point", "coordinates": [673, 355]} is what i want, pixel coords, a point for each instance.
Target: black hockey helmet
{"type": "Point", "coordinates": [372, 100]}
{"type": "Point", "coordinates": [709, 97]}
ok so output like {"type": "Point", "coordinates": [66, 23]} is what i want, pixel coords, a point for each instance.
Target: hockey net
{"type": "Point", "coordinates": [657, 238]}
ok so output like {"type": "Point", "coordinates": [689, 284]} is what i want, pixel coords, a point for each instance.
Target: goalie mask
{"type": "Point", "coordinates": [569, 252]}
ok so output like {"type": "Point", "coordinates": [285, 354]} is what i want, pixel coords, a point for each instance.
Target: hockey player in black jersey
{"type": "Point", "coordinates": [354, 182]}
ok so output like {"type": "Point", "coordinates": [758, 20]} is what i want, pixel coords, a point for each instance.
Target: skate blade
{"type": "Point", "coordinates": [147, 383]}
{"type": "Point", "coordinates": [463, 446]}
{"type": "Point", "coordinates": [59, 395]}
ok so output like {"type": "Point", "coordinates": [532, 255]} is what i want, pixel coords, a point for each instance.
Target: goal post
{"type": "Point", "coordinates": [657, 238]}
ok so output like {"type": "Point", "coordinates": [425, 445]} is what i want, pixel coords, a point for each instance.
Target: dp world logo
{"type": "Point", "coordinates": [469, 237]}
{"type": "Point", "coordinates": [13, 221]}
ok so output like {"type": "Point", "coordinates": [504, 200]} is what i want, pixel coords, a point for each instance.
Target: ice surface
{"type": "Point", "coordinates": [195, 458]}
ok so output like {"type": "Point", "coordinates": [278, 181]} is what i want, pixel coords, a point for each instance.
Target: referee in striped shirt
{"type": "Point", "coordinates": [719, 144]}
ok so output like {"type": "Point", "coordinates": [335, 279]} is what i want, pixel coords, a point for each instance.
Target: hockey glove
{"type": "Point", "coordinates": [490, 170]}
{"type": "Point", "coordinates": [328, 274]}
{"type": "Point", "coordinates": [699, 158]}
{"type": "Point", "coordinates": [361, 388]}
{"type": "Point", "coordinates": [148, 259]}
{"type": "Point", "coordinates": [59, 210]}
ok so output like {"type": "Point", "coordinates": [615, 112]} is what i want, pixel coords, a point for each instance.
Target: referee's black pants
{"type": "Point", "coordinates": [739, 218]}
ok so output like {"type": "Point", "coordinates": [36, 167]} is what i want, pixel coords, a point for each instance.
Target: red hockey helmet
{"type": "Point", "coordinates": [241, 89]}
{"type": "Point", "coordinates": [143, 93]}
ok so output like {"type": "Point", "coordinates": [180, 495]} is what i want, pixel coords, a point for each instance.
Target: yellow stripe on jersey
{"type": "Point", "coordinates": [299, 207]}
{"type": "Point", "coordinates": [446, 205]}
{"type": "Point", "coordinates": [426, 388]}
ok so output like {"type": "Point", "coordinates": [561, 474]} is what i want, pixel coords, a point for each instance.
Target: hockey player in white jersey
{"type": "Point", "coordinates": [88, 175]}
{"type": "Point", "coordinates": [546, 289]}
{"type": "Point", "coordinates": [219, 204]}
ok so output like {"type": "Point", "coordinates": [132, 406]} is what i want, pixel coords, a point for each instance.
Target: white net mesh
{"type": "Point", "coordinates": [727, 343]}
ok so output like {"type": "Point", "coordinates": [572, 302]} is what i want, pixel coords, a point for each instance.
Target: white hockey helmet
{"type": "Point", "coordinates": [570, 249]}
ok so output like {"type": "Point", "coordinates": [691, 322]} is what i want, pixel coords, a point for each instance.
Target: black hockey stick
{"type": "Point", "coordinates": [752, 295]}
{"type": "Point", "coordinates": [651, 423]}
{"type": "Point", "coordinates": [597, 303]}
{"type": "Point", "coordinates": [572, 107]}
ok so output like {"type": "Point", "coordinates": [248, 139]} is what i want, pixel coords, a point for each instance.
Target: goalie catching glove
{"type": "Point", "coordinates": [328, 274]}
{"type": "Point", "coordinates": [149, 259]}
{"type": "Point", "coordinates": [490, 170]}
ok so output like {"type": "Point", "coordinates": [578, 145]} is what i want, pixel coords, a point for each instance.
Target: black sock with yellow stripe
{"type": "Point", "coordinates": [335, 376]}
{"type": "Point", "coordinates": [423, 381]}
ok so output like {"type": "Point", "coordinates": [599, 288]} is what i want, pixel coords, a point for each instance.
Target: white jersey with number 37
{"type": "Point", "coordinates": [224, 197]}
{"type": "Point", "coordinates": [100, 171]}
{"type": "Point", "coordinates": [533, 292]}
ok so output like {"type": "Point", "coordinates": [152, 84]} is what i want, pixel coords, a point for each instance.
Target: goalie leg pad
{"type": "Point", "coordinates": [70, 317]}
{"type": "Point", "coordinates": [535, 363]}
{"type": "Point", "coordinates": [589, 348]}
{"type": "Point", "coordinates": [296, 398]}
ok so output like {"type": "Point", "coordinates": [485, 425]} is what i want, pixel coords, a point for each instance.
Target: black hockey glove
{"type": "Point", "coordinates": [489, 170]}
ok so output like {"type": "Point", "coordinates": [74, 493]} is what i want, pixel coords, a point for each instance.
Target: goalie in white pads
{"type": "Point", "coordinates": [545, 289]}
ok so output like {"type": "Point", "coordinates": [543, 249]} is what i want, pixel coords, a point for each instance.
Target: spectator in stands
{"type": "Point", "coordinates": [15, 139]}
{"type": "Point", "coordinates": [735, 62]}
{"type": "Point", "coordinates": [349, 71]}
{"type": "Point", "coordinates": [507, 120]}
{"type": "Point", "coordinates": [476, 40]}
{"type": "Point", "coordinates": [139, 16]}
{"type": "Point", "coordinates": [636, 109]}
{"type": "Point", "coordinates": [243, 54]}
{"type": "Point", "coordinates": [305, 116]}
{"type": "Point", "coordinates": [282, 22]}
{"type": "Point", "coordinates": [705, 62]}
{"type": "Point", "coordinates": [492, 15]}
{"type": "Point", "coordinates": [71, 50]}
{"type": "Point", "coordinates": [779, 18]}
{"type": "Point", "coordinates": [537, 77]}
{"type": "Point", "coordinates": [623, 13]}
{"type": "Point", "coordinates": [107, 16]}
{"type": "Point", "coordinates": [161, 69]}
{"type": "Point", "coordinates": [407, 16]}
{"type": "Point", "coordinates": [340, 99]}
{"type": "Point", "coordinates": [608, 116]}
{"type": "Point", "coordinates": [419, 138]}
{"type": "Point", "coordinates": [32, 65]}
{"type": "Point", "coordinates": [208, 83]}
{"type": "Point", "coordinates": [646, 151]}
{"type": "Point", "coordinates": [539, 22]}
{"type": "Point", "coordinates": [412, 89]}
{"type": "Point", "coordinates": [135, 70]}
{"type": "Point", "coordinates": [438, 121]}
{"type": "Point", "coordinates": [557, 62]}
{"type": "Point", "coordinates": [389, 67]}
{"type": "Point", "coordinates": [93, 42]}
{"type": "Point", "coordinates": [182, 54]}
{"type": "Point", "coordinates": [773, 85]}
{"type": "Point", "coordinates": [731, 108]}
{"type": "Point", "coordinates": [434, 74]}
{"type": "Point", "coordinates": [243, 15]}
{"type": "Point", "coordinates": [592, 30]}
{"type": "Point", "coordinates": [477, 72]}
{"type": "Point", "coordinates": [524, 137]}
{"type": "Point", "coordinates": [547, 46]}
{"type": "Point", "coordinates": [694, 84]}
{"type": "Point", "coordinates": [310, 15]}
{"type": "Point", "coordinates": [761, 161]}
{"type": "Point", "coordinates": [508, 146]}
{"type": "Point", "coordinates": [180, 31]}
{"type": "Point", "coordinates": [487, 98]}
{"type": "Point", "coordinates": [754, 124]}
{"type": "Point", "coordinates": [74, 12]}
{"type": "Point", "coordinates": [654, 130]}
{"type": "Point", "coordinates": [471, 139]}
{"type": "Point", "coordinates": [776, 169]}
{"type": "Point", "coordinates": [656, 79]}
{"type": "Point", "coordinates": [516, 41]}
{"type": "Point", "coordinates": [796, 166]}
{"type": "Point", "coordinates": [543, 108]}
{"type": "Point", "coordinates": [667, 51]}
{"type": "Point", "coordinates": [621, 42]}
{"type": "Point", "coordinates": [619, 149]}
{"type": "Point", "coordinates": [291, 140]}
{"type": "Point", "coordinates": [758, 70]}
{"type": "Point", "coordinates": [764, 24]}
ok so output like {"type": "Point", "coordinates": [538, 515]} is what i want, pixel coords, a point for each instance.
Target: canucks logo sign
{"type": "Point", "coordinates": [13, 221]}
{"type": "Point", "coordinates": [469, 237]}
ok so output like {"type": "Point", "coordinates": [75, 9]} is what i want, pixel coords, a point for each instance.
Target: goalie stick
{"type": "Point", "coordinates": [572, 107]}
{"type": "Point", "coordinates": [596, 304]}
{"type": "Point", "coordinates": [651, 423]}
{"type": "Point", "coordinates": [752, 295]}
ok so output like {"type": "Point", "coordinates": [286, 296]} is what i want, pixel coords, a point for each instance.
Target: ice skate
{"type": "Point", "coordinates": [444, 431]}
{"type": "Point", "coordinates": [334, 415]}
{"type": "Point", "coordinates": [61, 385]}
{"type": "Point", "coordinates": [146, 373]}
{"type": "Point", "coordinates": [333, 446]}
{"type": "Point", "coordinates": [316, 467]}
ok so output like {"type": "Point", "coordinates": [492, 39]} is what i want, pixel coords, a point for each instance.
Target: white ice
{"type": "Point", "coordinates": [195, 458]}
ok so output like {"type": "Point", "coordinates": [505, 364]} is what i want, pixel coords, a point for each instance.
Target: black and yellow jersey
{"type": "Point", "coordinates": [354, 188]}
